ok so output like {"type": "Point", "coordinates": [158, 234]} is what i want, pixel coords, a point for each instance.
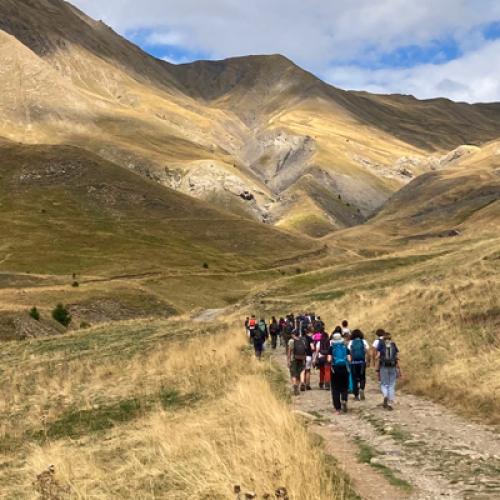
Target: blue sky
{"type": "Point", "coordinates": [428, 48]}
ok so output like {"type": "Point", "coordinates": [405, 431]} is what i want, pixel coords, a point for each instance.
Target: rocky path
{"type": "Point", "coordinates": [421, 450]}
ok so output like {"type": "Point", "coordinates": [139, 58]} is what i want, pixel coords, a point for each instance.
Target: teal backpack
{"type": "Point", "coordinates": [339, 355]}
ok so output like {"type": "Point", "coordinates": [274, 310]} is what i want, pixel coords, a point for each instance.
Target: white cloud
{"type": "Point", "coordinates": [318, 34]}
{"type": "Point", "coordinates": [472, 77]}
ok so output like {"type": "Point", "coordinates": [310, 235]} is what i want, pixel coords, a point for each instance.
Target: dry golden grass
{"type": "Point", "coordinates": [153, 411]}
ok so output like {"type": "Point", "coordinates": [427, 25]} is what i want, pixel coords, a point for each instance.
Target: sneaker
{"type": "Point", "coordinates": [295, 390]}
{"type": "Point", "coordinates": [362, 395]}
{"type": "Point", "coordinates": [344, 407]}
{"type": "Point", "coordinates": [302, 387]}
{"type": "Point", "coordinates": [308, 387]}
{"type": "Point", "coordinates": [357, 398]}
{"type": "Point", "coordinates": [386, 403]}
{"type": "Point", "coordinates": [327, 387]}
{"type": "Point", "coordinates": [320, 386]}
{"type": "Point", "coordinates": [389, 407]}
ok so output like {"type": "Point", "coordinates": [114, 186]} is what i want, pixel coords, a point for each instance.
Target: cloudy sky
{"type": "Point", "coordinates": [427, 48]}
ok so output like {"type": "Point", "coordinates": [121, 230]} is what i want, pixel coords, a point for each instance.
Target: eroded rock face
{"type": "Point", "coordinates": [279, 158]}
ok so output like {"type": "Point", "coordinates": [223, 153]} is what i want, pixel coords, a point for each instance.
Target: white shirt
{"type": "Point", "coordinates": [375, 344]}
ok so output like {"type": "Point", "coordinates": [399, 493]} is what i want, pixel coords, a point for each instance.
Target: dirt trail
{"type": "Point", "coordinates": [440, 454]}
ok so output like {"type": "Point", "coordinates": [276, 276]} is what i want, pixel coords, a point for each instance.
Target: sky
{"type": "Point", "coordinates": [427, 48]}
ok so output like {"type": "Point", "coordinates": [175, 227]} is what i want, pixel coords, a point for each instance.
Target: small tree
{"type": "Point", "coordinates": [205, 265]}
{"type": "Point", "coordinates": [61, 315]}
{"type": "Point", "coordinates": [34, 313]}
{"type": "Point", "coordinates": [75, 284]}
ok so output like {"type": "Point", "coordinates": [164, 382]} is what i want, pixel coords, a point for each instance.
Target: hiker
{"type": "Point", "coordinates": [359, 350]}
{"type": "Point", "coordinates": [260, 335]}
{"type": "Point", "coordinates": [287, 332]}
{"type": "Point", "coordinates": [247, 326]}
{"type": "Point", "coordinates": [346, 331]}
{"type": "Point", "coordinates": [379, 334]}
{"type": "Point", "coordinates": [274, 332]}
{"type": "Point", "coordinates": [339, 359]}
{"type": "Point", "coordinates": [296, 359]}
{"type": "Point", "coordinates": [337, 329]}
{"type": "Point", "coordinates": [306, 374]}
{"type": "Point", "coordinates": [322, 348]}
{"type": "Point", "coordinates": [282, 324]}
{"type": "Point", "coordinates": [388, 369]}
{"type": "Point", "coordinates": [252, 323]}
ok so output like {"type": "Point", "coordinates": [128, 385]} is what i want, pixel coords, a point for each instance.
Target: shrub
{"type": "Point", "coordinates": [75, 284]}
{"type": "Point", "coordinates": [205, 265]}
{"type": "Point", "coordinates": [61, 315]}
{"type": "Point", "coordinates": [84, 325]}
{"type": "Point", "coordinates": [34, 313]}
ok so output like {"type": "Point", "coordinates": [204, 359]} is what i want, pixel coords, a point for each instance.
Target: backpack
{"type": "Point", "coordinates": [388, 355]}
{"type": "Point", "coordinates": [339, 354]}
{"type": "Point", "coordinates": [299, 350]}
{"type": "Point", "coordinates": [251, 323]}
{"type": "Point", "coordinates": [324, 345]}
{"type": "Point", "coordinates": [273, 328]}
{"type": "Point", "coordinates": [358, 351]}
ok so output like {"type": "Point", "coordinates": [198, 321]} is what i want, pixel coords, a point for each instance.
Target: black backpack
{"type": "Point", "coordinates": [299, 350]}
{"type": "Point", "coordinates": [324, 345]}
{"type": "Point", "coordinates": [388, 355]}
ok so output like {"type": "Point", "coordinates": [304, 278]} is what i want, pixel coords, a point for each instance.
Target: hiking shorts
{"type": "Point", "coordinates": [309, 362]}
{"type": "Point", "coordinates": [296, 368]}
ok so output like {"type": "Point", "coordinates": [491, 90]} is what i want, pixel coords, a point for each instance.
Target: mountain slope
{"type": "Point", "coordinates": [219, 130]}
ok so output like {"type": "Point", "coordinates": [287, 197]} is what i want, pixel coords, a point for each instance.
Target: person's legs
{"type": "Point", "coordinates": [391, 390]}
{"type": "Point", "coordinates": [259, 347]}
{"type": "Point", "coordinates": [385, 382]}
{"type": "Point", "coordinates": [307, 378]}
{"type": "Point", "coordinates": [321, 376]}
{"type": "Point", "coordinates": [328, 375]}
{"type": "Point", "coordinates": [274, 338]}
{"type": "Point", "coordinates": [343, 387]}
{"type": "Point", "coordinates": [356, 379]}
{"type": "Point", "coordinates": [335, 392]}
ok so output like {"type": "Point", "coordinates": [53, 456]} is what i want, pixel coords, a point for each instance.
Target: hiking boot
{"type": "Point", "coordinates": [302, 387]}
{"type": "Point", "coordinates": [308, 388]}
{"type": "Point", "coordinates": [389, 407]}
{"type": "Point", "coordinates": [321, 386]}
{"type": "Point", "coordinates": [386, 403]}
{"type": "Point", "coordinates": [362, 395]}
{"type": "Point", "coordinates": [327, 387]}
{"type": "Point", "coordinates": [295, 390]}
{"type": "Point", "coordinates": [344, 406]}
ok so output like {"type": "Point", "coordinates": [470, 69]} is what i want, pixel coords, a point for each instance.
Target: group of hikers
{"type": "Point", "coordinates": [341, 357]}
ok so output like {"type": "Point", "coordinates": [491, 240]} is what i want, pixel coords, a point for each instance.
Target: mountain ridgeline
{"type": "Point", "coordinates": [256, 136]}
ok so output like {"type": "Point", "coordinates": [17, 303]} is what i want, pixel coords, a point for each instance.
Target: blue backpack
{"type": "Point", "coordinates": [339, 354]}
{"type": "Point", "coordinates": [358, 351]}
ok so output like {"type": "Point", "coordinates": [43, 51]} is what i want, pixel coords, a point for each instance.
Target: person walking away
{"type": "Point", "coordinates": [296, 359]}
{"type": "Point", "coordinates": [259, 337]}
{"type": "Point", "coordinates": [379, 337]}
{"type": "Point", "coordinates": [359, 350]}
{"type": "Point", "coordinates": [274, 332]}
{"type": "Point", "coordinates": [247, 326]}
{"type": "Point", "coordinates": [388, 369]}
{"type": "Point", "coordinates": [339, 359]}
{"type": "Point", "coordinates": [252, 324]}
{"type": "Point", "coordinates": [338, 329]}
{"type": "Point", "coordinates": [306, 380]}
{"type": "Point", "coordinates": [282, 324]}
{"type": "Point", "coordinates": [346, 331]}
{"type": "Point", "coordinates": [287, 333]}
{"type": "Point", "coordinates": [322, 352]}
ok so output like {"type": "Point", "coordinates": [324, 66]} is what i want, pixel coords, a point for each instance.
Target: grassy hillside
{"type": "Point", "coordinates": [152, 410]}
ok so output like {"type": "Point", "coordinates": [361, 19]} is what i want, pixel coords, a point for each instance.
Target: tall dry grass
{"type": "Point", "coordinates": [448, 331]}
{"type": "Point", "coordinates": [234, 431]}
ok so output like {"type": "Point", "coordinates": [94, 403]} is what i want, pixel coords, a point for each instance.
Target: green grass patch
{"type": "Point", "coordinates": [366, 453]}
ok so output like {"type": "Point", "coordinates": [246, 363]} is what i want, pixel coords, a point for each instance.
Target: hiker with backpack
{"type": "Point", "coordinates": [379, 334]}
{"type": "Point", "coordinates": [296, 359]}
{"type": "Point", "coordinates": [388, 369]}
{"type": "Point", "coordinates": [306, 374]}
{"type": "Point", "coordinates": [282, 324]}
{"type": "Point", "coordinates": [274, 330]}
{"type": "Point", "coordinates": [359, 350]}
{"type": "Point", "coordinates": [322, 349]}
{"type": "Point", "coordinates": [260, 334]}
{"type": "Point", "coordinates": [287, 332]}
{"type": "Point", "coordinates": [339, 359]}
{"type": "Point", "coordinates": [252, 324]}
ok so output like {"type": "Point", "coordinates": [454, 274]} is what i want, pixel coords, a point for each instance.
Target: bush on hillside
{"type": "Point", "coordinates": [61, 315]}
{"type": "Point", "coordinates": [205, 265]}
{"type": "Point", "coordinates": [34, 313]}
{"type": "Point", "coordinates": [75, 284]}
